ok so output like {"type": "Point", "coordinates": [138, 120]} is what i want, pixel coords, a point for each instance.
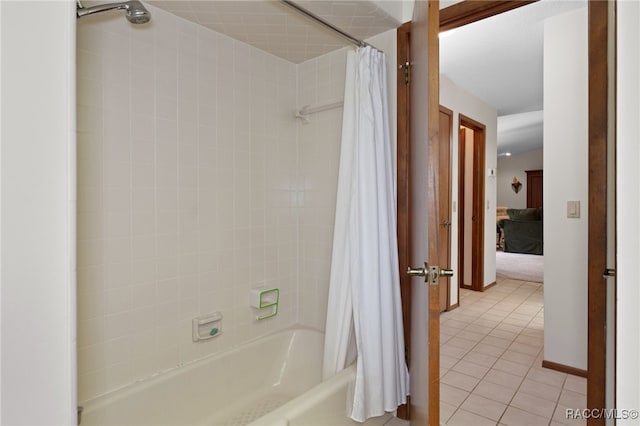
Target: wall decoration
{"type": "Point", "coordinates": [516, 185]}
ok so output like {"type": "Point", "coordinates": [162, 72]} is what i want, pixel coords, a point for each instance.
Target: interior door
{"type": "Point", "coordinates": [424, 365]}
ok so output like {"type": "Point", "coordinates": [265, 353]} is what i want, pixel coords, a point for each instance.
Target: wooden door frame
{"type": "Point", "coordinates": [446, 263]}
{"type": "Point", "coordinates": [403, 194]}
{"type": "Point", "coordinates": [599, 122]}
{"type": "Point", "coordinates": [477, 230]}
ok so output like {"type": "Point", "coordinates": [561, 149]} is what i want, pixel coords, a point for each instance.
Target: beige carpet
{"type": "Point", "coordinates": [525, 267]}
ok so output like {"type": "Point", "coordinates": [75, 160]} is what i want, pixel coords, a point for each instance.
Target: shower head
{"type": "Point", "coordinates": [136, 12]}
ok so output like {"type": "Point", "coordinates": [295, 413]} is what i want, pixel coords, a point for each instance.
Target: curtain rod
{"type": "Point", "coordinates": [328, 25]}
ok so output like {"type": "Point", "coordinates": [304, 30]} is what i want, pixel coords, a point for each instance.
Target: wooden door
{"type": "Point", "coordinates": [444, 204]}
{"type": "Point", "coordinates": [424, 365]}
{"type": "Point", "coordinates": [534, 188]}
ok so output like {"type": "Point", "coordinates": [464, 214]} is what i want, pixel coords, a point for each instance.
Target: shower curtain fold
{"type": "Point", "coordinates": [364, 313]}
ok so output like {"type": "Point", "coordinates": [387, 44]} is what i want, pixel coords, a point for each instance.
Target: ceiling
{"type": "Point", "coordinates": [273, 27]}
{"type": "Point", "coordinates": [500, 60]}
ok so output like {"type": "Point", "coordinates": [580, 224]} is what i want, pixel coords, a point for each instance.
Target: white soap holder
{"type": "Point", "coordinates": [262, 298]}
{"type": "Point", "coordinates": [206, 327]}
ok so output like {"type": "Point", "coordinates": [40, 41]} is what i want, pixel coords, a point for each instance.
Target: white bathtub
{"type": "Point", "coordinates": [272, 381]}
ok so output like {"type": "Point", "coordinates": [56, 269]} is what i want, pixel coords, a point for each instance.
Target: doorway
{"type": "Point", "coordinates": [462, 14]}
{"type": "Point", "coordinates": [471, 195]}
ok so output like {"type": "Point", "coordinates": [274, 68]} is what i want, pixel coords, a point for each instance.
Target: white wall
{"type": "Point", "coordinates": [628, 209]}
{"type": "Point", "coordinates": [566, 176]}
{"type": "Point", "coordinates": [461, 102]}
{"type": "Point", "coordinates": [38, 212]}
{"type": "Point", "coordinates": [187, 193]}
{"type": "Point", "coordinates": [515, 165]}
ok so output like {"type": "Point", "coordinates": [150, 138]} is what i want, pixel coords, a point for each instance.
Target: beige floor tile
{"type": "Point", "coordinates": [530, 340]}
{"type": "Point", "coordinates": [519, 357]}
{"type": "Point", "coordinates": [479, 329]}
{"type": "Point", "coordinates": [496, 341]}
{"type": "Point", "coordinates": [470, 335]}
{"type": "Point", "coordinates": [510, 327]}
{"type": "Point", "coordinates": [447, 361]}
{"type": "Point", "coordinates": [495, 350]}
{"type": "Point", "coordinates": [511, 367]}
{"type": "Point", "coordinates": [503, 334]}
{"type": "Point", "coordinates": [446, 411]}
{"type": "Point", "coordinates": [504, 379]}
{"type": "Point", "coordinates": [517, 314]}
{"type": "Point", "coordinates": [465, 418]}
{"type": "Point", "coordinates": [484, 407]}
{"type": "Point", "coordinates": [517, 322]}
{"type": "Point", "coordinates": [394, 421]}
{"type": "Point", "coordinates": [533, 404]}
{"type": "Point", "coordinates": [462, 343]}
{"type": "Point", "coordinates": [576, 384]}
{"type": "Point", "coordinates": [541, 390]}
{"type": "Point", "coordinates": [517, 417]}
{"type": "Point", "coordinates": [452, 395]}
{"type": "Point", "coordinates": [470, 368]}
{"type": "Point", "coordinates": [493, 315]}
{"type": "Point", "coordinates": [480, 358]}
{"type": "Point", "coordinates": [525, 349]}
{"type": "Point", "coordinates": [489, 349]}
{"type": "Point", "coordinates": [547, 376]}
{"type": "Point", "coordinates": [563, 415]}
{"type": "Point", "coordinates": [572, 399]}
{"type": "Point", "coordinates": [457, 324]}
{"type": "Point", "coordinates": [494, 392]}
{"type": "Point", "coordinates": [459, 380]}
{"type": "Point", "coordinates": [444, 337]}
{"type": "Point", "coordinates": [490, 323]}
{"type": "Point", "coordinates": [535, 332]}
{"type": "Point", "coordinates": [453, 351]}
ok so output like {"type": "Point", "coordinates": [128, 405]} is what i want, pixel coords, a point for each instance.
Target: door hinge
{"type": "Point", "coordinates": [407, 71]}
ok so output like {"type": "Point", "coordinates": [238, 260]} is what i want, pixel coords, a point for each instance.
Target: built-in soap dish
{"type": "Point", "coordinates": [206, 327]}
{"type": "Point", "coordinates": [265, 298]}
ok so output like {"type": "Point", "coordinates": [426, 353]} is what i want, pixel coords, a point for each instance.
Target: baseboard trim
{"type": "Point", "coordinates": [466, 287]}
{"type": "Point", "coordinates": [486, 287]}
{"type": "Point", "coordinates": [564, 368]}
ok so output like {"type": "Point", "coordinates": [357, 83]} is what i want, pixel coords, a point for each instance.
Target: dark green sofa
{"type": "Point", "coordinates": [523, 231]}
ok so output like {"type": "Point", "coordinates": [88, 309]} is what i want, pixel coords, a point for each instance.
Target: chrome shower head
{"type": "Point", "coordinates": [136, 12]}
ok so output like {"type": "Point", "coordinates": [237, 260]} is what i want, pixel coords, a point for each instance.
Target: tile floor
{"type": "Point", "coordinates": [490, 361]}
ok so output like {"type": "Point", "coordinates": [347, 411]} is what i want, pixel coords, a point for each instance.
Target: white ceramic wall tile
{"type": "Point", "coordinates": [319, 148]}
{"type": "Point", "coordinates": [187, 161]}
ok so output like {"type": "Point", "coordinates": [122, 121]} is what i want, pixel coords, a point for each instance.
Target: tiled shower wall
{"type": "Point", "coordinates": [320, 82]}
{"type": "Point", "coordinates": [188, 193]}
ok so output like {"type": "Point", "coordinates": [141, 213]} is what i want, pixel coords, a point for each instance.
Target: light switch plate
{"type": "Point", "coordinates": [573, 209]}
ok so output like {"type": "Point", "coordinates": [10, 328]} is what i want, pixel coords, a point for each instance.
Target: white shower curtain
{"type": "Point", "coordinates": [364, 314]}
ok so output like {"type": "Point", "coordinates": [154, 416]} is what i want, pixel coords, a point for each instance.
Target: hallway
{"type": "Point", "coordinates": [490, 362]}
